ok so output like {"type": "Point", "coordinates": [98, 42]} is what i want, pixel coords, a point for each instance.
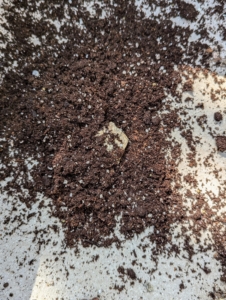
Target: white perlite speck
{"type": "Point", "coordinates": [35, 73]}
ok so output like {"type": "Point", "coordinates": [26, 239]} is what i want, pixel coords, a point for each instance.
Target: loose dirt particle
{"type": "Point", "coordinates": [218, 116]}
{"type": "Point", "coordinates": [221, 143]}
{"type": "Point", "coordinates": [131, 274]}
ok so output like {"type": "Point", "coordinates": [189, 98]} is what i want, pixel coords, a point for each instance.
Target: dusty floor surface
{"type": "Point", "coordinates": [112, 150]}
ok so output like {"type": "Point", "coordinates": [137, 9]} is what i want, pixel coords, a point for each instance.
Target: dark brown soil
{"type": "Point", "coordinates": [77, 94]}
{"type": "Point", "coordinates": [187, 10]}
{"type": "Point", "coordinates": [131, 274]}
{"type": "Point", "coordinates": [218, 116]}
{"type": "Point", "coordinates": [221, 143]}
{"type": "Point", "coordinates": [5, 285]}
